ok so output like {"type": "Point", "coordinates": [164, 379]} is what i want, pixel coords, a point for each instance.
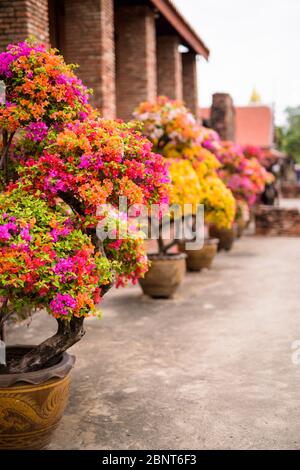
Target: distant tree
{"type": "Point", "coordinates": [279, 136]}
{"type": "Point", "coordinates": [288, 138]}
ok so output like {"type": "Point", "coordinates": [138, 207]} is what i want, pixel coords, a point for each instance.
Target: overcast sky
{"type": "Point", "coordinates": [252, 43]}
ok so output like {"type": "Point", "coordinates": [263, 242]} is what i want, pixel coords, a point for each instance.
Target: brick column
{"type": "Point", "coordinates": [20, 19]}
{"type": "Point", "coordinates": [169, 67]}
{"type": "Point", "coordinates": [223, 116]}
{"type": "Point", "coordinates": [89, 42]}
{"type": "Point", "coordinates": [135, 58]}
{"type": "Point", "coordinates": [189, 80]}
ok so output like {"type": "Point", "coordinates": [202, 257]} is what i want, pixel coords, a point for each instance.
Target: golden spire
{"type": "Point", "coordinates": [255, 97]}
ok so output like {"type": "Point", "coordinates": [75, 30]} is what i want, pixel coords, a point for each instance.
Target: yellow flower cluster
{"type": "Point", "coordinates": [204, 162]}
{"type": "Point", "coordinates": [218, 201]}
{"type": "Point", "coordinates": [198, 184]}
{"type": "Point", "coordinates": [185, 186]}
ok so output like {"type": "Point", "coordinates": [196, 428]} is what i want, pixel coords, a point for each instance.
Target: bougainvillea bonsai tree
{"type": "Point", "coordinates": [266, 157]}
{"type": "Point", "coordinates": [241, 168]}
{"type": "Point", "coordinates": [245, 177]}
{"type": "Point", "coordinates": [59, 163]}
{"type": "Point", "coordinates": [177, 136]}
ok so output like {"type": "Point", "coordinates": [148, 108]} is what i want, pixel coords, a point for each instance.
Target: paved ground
{"type": "Point", "coordinates": [290, 203]}
{"type": "Point", "coordinates": [210, 369]}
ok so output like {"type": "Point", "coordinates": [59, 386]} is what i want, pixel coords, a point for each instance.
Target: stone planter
{"type": "Point", "coordinates": [225, 236]}
{"type": "Point", "coordinates": [290, 190]}
{"type": "Point", "coordinates": [201, 258]}
{"type": "Point", "coordinates": [32, 404]}
{"type": "Point", "coordinates": [164, 276]}
{"type": "Point", "coordinates": [277, 221]}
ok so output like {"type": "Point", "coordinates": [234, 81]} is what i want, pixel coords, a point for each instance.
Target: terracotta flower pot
{"type": "Point", "coordinates": [225, 236]}
{"type": "Point", "coordinates": [32, 404]}
{"type": "Point", "coordinates": [240, 227]}
{"type": "Point", "coordinates": [201, 258]}
{"type": "Point", "coordinates": [164, 276]}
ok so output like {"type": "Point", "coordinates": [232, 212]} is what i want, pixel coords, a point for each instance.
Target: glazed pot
{"type": "Point", "coordinates": [225, 236]}
{"type": "Point", "coordinates": [164, 276]}
{"type": "Point", "coordinates": [32, 404]}
{"type": "Point", "coordinates": [240, 227]}
{"type": "Point", "coordinates": [200, 258]}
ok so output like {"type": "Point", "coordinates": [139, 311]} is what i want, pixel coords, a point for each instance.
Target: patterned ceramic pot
{"type": "Point", "coordinates": [32, 404]}
{"type": "Point", "coordinates": [200, 258]}
{"type": "Point", "coordinates": [240, 227]}
{"type": "Point", "coordinates": [164, 276]}
{"type": "Point", "coordinates": [225, 236]}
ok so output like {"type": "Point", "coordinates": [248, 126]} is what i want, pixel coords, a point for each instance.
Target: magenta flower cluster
{"type": "Point", "coordinates": [37, 131]}
{"type": "Point", "coordinates": [6, 228]}
{"type": "Point", "coordinates": [61, 304]}
{"type": "Point", "coordinates": [13, 52]}
{"type": "Point", "coordinates": [64, 268]}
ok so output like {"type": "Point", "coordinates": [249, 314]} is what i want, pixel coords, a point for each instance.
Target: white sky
{"type": "Point", "coordinates": [252, 43]}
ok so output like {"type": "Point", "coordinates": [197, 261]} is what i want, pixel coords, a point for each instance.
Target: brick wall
{"type": "Point", "coordinates": [85, 31]}
{"type": "Point", "coordinates": [223, 116]}
{"type": "Point", "coordinates": [135, 57]}
{"type": "Point", "coordinates": [275, 221]}
{"type": "Point", "coordinates": [290, 190]}
{"type": "Point", "coordinates": [189, 81]}
{"type": "Point", "coordinates": [89, 42]}
{"type": "Point", "coordinates": [22, 18]}
{"type": "Point", "coordinates": [169, 67]}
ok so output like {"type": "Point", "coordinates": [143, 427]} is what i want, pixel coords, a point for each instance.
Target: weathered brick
{"type": "Point", "coordinates": [117, 56]}
{"type": "Point", "coordinates": [23, 18]}
{"type": "Point", "coordinates": [223, 116]}
{"type": "Point", "coordinates": [89, 42]}
{"type": "Point", "coordinates": [135, 57]}
{"type": "Point", "coordinates": [277, 221]}
{"type": "Point", "coordinates": [169, 67]}
{"type": "Point", "coordinates": [290, 190]}
{"type": "Point", "coordinates": [189, 81]}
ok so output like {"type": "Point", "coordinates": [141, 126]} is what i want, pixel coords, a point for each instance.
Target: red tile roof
{"type": "Point", "coordinates": [254, 125]}
{"type": "Point", "coordinates": [204, 113]}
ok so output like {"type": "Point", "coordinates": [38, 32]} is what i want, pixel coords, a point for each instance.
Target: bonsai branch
{"type": "Point", "coordinates": [72, 202]}
{"type": "Point", "coordinates": [78, 208]}
{"type": "Point", "coordinates": [44, 355]}
{"type": "Point", "coordinates": [170, 245]}
{"type": "Point", "coordinates": [164, 248]}
{"type": "Point", "coordinates": [4, 314]}
{"type": "Point", "coordinates": [160, 241]}
{"type": "Point", "coordinates": [6, 142]}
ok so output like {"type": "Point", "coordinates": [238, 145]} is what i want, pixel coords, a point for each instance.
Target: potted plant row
{"type": "Point", "coordinates": [242, 170]}
{"type": "Point", "coordinates": [176, 134]}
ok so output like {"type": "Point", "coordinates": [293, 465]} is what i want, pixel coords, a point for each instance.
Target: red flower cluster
{"type": "Point", "coordinates": [97, 161]}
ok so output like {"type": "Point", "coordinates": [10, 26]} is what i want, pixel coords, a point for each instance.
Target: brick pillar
{"type": "Point", "coordinates": [189, 80]}
{"type": "Point", "coordinates": [223, 116]}
{"type": "Point", "coordinates": [20, 19]}
{"type": "Point", "coordinates": [169, 67]}
{"type": "Point", "coordinates": [89, 42]}
{"type": "Point", "coordinates": [135, 58]}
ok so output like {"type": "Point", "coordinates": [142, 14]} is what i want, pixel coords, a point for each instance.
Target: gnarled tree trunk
{"type": "Point", "coordinates": [45, 354]}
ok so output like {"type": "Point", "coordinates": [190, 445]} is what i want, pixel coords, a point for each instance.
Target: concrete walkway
{"type": "Point", "coordinates": [210, 369]}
